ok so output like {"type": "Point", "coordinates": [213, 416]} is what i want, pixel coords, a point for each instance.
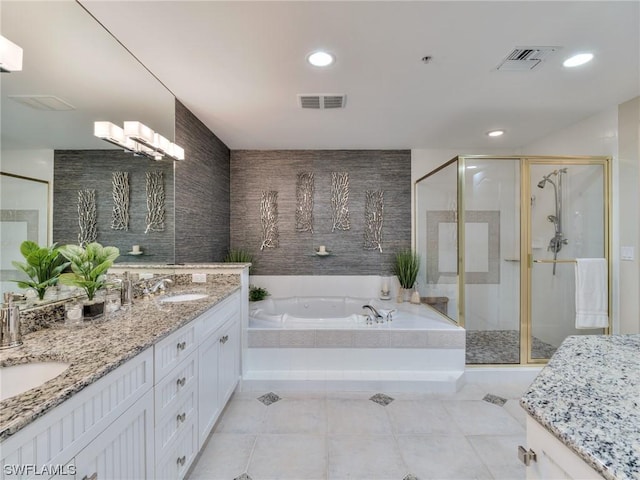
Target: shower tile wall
{"type": "Point", "coordinates": [254, 171]}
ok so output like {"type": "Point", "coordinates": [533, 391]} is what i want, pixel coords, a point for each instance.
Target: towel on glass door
{"type": "Point", "coordinates": [592, 295]}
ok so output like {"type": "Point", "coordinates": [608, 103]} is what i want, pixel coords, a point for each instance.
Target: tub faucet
{"type": "Point", "coordinates": [374, 315]}
{"type": "Point", "coordinates": [160, 285]}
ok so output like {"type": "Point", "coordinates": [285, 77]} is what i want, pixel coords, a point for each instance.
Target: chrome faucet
{"type": "Point", "coordinates": [374, 316]}
{"type": "Point", "coordinates": [160, 285]}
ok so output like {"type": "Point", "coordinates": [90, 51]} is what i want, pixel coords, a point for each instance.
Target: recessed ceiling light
{"type": "Point", "coordinates": [578, 60]}
{"type": "Point", "coordinates": [495, 133]}
{"type": "Point", "coordinates": [320, 59]}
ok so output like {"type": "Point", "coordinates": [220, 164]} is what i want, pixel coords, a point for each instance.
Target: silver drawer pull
{"type": "Point", "coordinates": [181, 418]}
{"type": "Point", "coordinates": [181, 381]}
{"type": "Point", "coordinates": [181, 460]}
{"type": "Point", "coordinates": [94, 476]}
{"type": "Point", "coordinates": [526, 456]}
{"type": "Point", "coordinates": [181, 345]}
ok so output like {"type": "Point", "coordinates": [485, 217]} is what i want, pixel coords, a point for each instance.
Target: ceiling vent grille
{"type": "Point", "coordinates": [522, 59]}
{"type": "Point", "coordinates": [43, 102]}
{"type": "Point", "coordinates": [322, 101]}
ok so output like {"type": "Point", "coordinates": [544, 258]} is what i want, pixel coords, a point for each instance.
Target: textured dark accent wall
{"type": "Point", "coordinates": [74, 170]}
{"type": "Point", "coordinates": [253, 171]}
{"type": "Point", "coordinates": [202, 192]}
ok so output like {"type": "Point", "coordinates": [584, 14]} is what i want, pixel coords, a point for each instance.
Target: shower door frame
{"type": "Point", "coordinates": [526, 250]}
{"type": "Point", "coordinates": [525, 161]}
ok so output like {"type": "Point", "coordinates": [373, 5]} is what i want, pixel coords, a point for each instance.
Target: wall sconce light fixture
{"type": "Point", "coordinates": [10, 56]}
{"type": "Point", "coordinates": [136, 137]}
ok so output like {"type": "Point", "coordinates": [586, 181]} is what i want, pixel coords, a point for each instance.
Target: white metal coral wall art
{"type": "Point", "coordinates": [155, 202]}
{"type": "Point", "coordinates": [120, 191]}
{"type": "Point", "coordinates": [340, 201]}
{"type": "Point", "coordinates": [373, 218]}
{"type": "Point", "coordinates": [304, 202]}
{"type": "Point", "coordinates": [87, 217]}
{"type": "Point", "coordinates": [269, 219]}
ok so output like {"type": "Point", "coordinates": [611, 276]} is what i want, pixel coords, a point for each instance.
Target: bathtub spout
{"type": "Point", "coordinates": [374, 315]}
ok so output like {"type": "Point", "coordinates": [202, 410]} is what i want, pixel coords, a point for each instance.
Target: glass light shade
{"type": "Point", "coordinates": [161, 143]}
{"type": "Point", "coordinates": [139, 132]}
{"type": "Point", "coordinates": [10, 56]}
{"type": "Point", "coordinates": [176, 152]}
{"type": "Point", "coordinates": [110, 132]}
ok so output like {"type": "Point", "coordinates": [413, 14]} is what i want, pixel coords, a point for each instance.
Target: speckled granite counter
{"type": "Point", "coordinates": [588, 396]}
{"type": "Point", "coordinates": [96, 348]}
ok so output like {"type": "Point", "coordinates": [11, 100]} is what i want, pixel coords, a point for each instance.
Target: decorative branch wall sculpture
{"type": "Point", "coordinates": [269, 218]}
{"type": "Point", "coordinates": [120, 218]}
{"type": "Point", "coordinates": [304, 207]}
{"type": "Point", "coordinates": [155, 202]}
{"type": "Point", "coordinates": [87, 217]}
{"type": "Point", "coordinates": [373, 217]}
{"type": "Point", "coordinates": [340, 201]}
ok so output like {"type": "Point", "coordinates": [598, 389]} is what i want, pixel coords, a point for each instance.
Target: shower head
{"type": "Point", "coordinates": [542, 183]}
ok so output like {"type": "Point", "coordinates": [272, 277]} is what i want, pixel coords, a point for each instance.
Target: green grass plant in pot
{"type": "Point", "coordinates": [405, 267]}
{"type": "Point", "coordinates": [43, 266]}
{"type": "Point", "coordinates": [89, 267]}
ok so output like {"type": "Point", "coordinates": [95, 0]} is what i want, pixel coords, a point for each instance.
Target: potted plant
{"type": "Point", "coordinates": [257, 294]}
{"type": "Point", "coordinates": [89, 266]}
{"type": "Point", "coordinates": [406, 266]}
{"type": "Point", "coordinates": [43, 266]}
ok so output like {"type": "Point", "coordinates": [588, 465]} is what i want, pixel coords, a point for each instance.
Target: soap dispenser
{"type": "Point", "coordinates": [126, 291]}
{"type": "Point", "coordinates": [9, 323]}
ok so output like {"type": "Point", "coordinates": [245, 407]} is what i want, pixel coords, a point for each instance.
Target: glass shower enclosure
{"type": "Point", "coordinates": [498, 239]}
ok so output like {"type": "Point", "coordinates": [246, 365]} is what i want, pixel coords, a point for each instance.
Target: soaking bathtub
{"type": "Point", "coordinates": [326, 343]}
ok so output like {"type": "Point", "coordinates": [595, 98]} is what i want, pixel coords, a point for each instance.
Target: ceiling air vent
{"type": "Point", "coordinates": [321, 101]}
{"type": "Point", "coordinates": [525, 58]}
{"type": "Point", "coordinates": [43, 102]}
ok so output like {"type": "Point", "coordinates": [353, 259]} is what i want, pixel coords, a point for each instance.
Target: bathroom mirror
{"type": "Point", "coordinates": [74, 73]}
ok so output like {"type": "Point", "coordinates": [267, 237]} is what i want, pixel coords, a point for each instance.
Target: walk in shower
{"type": "Point", "coordinates": [498, 239]}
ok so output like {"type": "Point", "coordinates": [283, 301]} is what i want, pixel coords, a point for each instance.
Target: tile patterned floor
{"type": "Point", "coordinates": [326, 436]}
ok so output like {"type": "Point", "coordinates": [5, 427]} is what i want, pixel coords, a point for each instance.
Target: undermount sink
{"type": "Point", "coordinates": [185, 297]}
{"type": "Point", "coordinates": [17, 379]}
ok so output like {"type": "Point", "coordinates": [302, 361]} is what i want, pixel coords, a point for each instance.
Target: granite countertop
{"type": "Point", "coordinates": [588, 396]}
{"type": "Point", "coordinates": [96, 348]}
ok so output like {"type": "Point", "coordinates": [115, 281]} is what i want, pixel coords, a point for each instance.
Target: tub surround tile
{"type": "Point", "coordinates": [334, 339]}
{"type": "Point", "coordinates": [592, 385]}
{"type": "Point", "coordinates": [297, 338]}
{"type": "Point", "coordinates": [374, 339]}
{"type": "Point", "coordinates": [96, 348]}
{"type": "Point", "coordinates": [405, 339]}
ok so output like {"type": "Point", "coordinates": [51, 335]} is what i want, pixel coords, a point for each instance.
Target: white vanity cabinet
{"type": "Point", "coordinates": [107, 420]}
{"type": "Point", "coordinates": [554, 459]}
{"type": "Point", "coordinates": [218, 361]}
{"type": "Point", "coordinates": [124, 450]}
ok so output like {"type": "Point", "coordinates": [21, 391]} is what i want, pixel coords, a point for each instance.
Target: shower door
{"type": "Point", "coordinates": [567, 218]}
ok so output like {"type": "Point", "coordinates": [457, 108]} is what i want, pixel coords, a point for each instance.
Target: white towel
{"type": "Point", "coordinates": [592, 295]}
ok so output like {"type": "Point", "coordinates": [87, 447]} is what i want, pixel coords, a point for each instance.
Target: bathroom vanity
{"type": "Point", "coordinates": [583, 411]}
{"type": "Point", "coordinates": [143, 390]}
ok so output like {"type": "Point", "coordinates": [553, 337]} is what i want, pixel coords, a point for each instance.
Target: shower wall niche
{"type": "Point", "coordinates": [492, 230]}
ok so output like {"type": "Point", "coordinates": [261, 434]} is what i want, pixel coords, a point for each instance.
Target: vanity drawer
{"type": "Point", "coordinates": [175, 386]}
{"type": "Point", "coordinates": [179, 457]}
{"type": "Point", "coordinates": [215, 317]}
{"type": "Point", "coordinates": [172, 350]}
{"type": "Point", "coordinates": [175, 421]}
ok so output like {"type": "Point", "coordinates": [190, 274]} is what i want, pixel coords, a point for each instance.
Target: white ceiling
{"type": "Point", "coordinates": [239, 66]}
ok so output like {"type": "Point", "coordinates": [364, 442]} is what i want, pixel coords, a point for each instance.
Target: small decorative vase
{"type": "Point", "coordinates": [415, 296]}
{"type": "Point", "coordinates": [93, 309]}
{"type": "Point", "coordinates": [400, 297]}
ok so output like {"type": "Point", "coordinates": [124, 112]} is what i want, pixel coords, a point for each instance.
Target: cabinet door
{"type": "Point", "coordinates": [125, 449]}
{"type": "Point", "coordinates": [175, 464]}
{"type": "Point", "coordinates": [229, 359]}
{"type": "Point", "coordinates": [208, 404]}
